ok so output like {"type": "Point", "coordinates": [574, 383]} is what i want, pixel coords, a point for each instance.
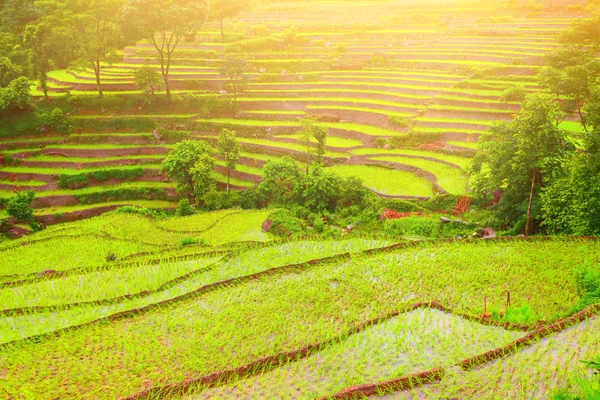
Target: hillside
{"type": "Point", "coordinates": [404, 99]}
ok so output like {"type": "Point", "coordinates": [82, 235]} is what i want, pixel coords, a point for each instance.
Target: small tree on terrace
{"type": "Point", "coordinates": [181, 160]}
{"type": "Point", "coordinates": [234, 69]}
{"type": "Point", "coordinates": [147, 80]}
{"type": "Point", "coordinates": [519, 157]}
{"type": "Point", "coordinates": [221, 10]}
{"type": "Point", "coordinates": [229, 151]}
{"type": "Point", "coordinates": [310, 131]}
{"type": "Point", "coordinates": [165, 23]}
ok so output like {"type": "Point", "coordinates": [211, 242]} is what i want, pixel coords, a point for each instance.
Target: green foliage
{"type": "Point", "coordinates": [153, 213]}
{"type": "Point", "coordinates": [319, 190]}
{"type": "Point", "coordinates": [189, 241]}
{"type": "Point", "coordinates": [284, 223]}
{"type": "Point", "coordinates": [122, 194]}
{"type": "Point", "coordinates": [203, 176]}
{"type": "Point", "coordinates": [513, 94]}
{"type": "Point", "coordinates": [588, 285]}
{"type": "Point", "coordinates": [217, 200]}
{"type": "Point", "coordinates": [184, 208]}
{"type": "Point", "coordinates": [75, 181]}
{"type": "Point", "coordinates": [519, 157]}
{"type": "Point", "coordinates": [19, 207]}
{"type": "Point", "coordinates": [8, 71]}
{"type": "Point", "coordinates": [570, 202]}
{"type": "Point", "coordinates": [55, 121]}
{"type": "Point", "coordinates": [69, 181]}
{"type": "Point", "coordinates": [147, 79]}
{"type": "Point", "coordinates": [234, 69]}
{"type": "Point", "coordinates": [280, 177]}
{"type": "Point", "coordinates": [400, 121]}
{"type": "Point", "coordinates": [228, 150]}
{"type": "Point", "coordinates": [16, 96]}
{"type": "Point", "coordinates": [181, 160]}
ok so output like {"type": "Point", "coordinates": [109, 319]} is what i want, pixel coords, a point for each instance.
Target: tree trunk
{"type": "Point", "coordinates": [97, 71]}
{"type": "Point", "coordinates": [228, 175]}
{"type": "Point", "coordinates": [528, 223]}
{"type": "Point", "coordinates": [222, 33]}
{"type": "Point", "coordinates": [44, 84]}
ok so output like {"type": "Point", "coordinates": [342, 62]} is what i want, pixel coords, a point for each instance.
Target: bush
{"type": "Point", "coordinates": [190, 241]}
{"type": "Point", "coordinates": [19, 207]}
{"type": "Point", "coordinates": [588, 285]}
{"type": "Point", "coordinates": [147, 212]}
{"type": "Point", "coordinates": [284, 223]}
{"type": "Point", "coordinates": [249, 199]}
{"type": "Point", "coordinates": [147, 80]}
{"type": "Point", "coordinates": [426, 227]}
{"type": "Point", "coordinates": [184, 208]}
{"type": "Point", "coordinates": [513, 94]}
{"type": "Point", "coordinates": [55, 121]}
{"type": "Point", "coordinates": [216, 200]}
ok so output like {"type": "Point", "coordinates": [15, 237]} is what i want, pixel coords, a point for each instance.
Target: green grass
{"type": "Point", "coordinates": [462, 162]}
{"type": "Point", "coordinates": [391, 182]}
{"type": "Point", "coordinates": [23, 183]}
{"type": "Point", "coordinates": [381, 352]}
{"type": "Point", "coordinates": [238, 324]}
{"type": "Point", "coordinates": [453, 180]}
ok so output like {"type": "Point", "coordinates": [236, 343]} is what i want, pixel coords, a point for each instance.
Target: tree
{"type": "Point", "coordinates": [8, 71]}
{"type": "Point", "coordinates": [164, 24]}
{"type": "Point", "coordinates": [570, 204]}
{"type": "Point", "coordinates": [181, 160]}
{"type": "Point", "coordinates": [147, 79]}
{"type": "Point", "coordinates": [17, 95]}
{"type": "Point", "coordinates": [519, 157]}
{"type": "Point", "coordinates": [280, 179]}
{"type": "Point", "coordinates": [203, 176]}
{"type": "Point", "coordinates": [99, 37]}
{"type": "Point", "coordinates": [229, 151]}
{"type": "Point", "coordinates": [313, 133]}
{"type": "Point", "coordinates": [50, 39]}
{"type": "Point", "coordinates": [223, 9]}
{"type": "Point", "coordinates": [320, 189]}
{"type": "Point", "coordinates": [234, 69]}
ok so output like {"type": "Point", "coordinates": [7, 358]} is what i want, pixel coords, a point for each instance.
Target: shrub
{"type": "Point", "coordinates": [16, 96]}
{"type": "Point", "coordinates": [190, 241]}
{"type": "Point", "coordinates": [400, 121]}
{"type": "Point", "coordinates": [148, 212]}
{"type": "Point", "coordinates": [513, 94]}
{"type": "Point", "coordinates": [68, 181]}
{"type": "Point", "coordinates": [249, 199]}
{"type": "Point", "coordinates": [19, 207]}
{"type": "Point", "coordinates": [284, 223]}
{"type": "Point", "coordinates": [588, 285]}
{"type": "Point", "coordinates": [147, 80]}
{"type": "Point", "coordinates": [184, 208]}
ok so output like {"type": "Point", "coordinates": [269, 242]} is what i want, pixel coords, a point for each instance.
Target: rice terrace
{"type": "Point", "coordinates": [299, 199]}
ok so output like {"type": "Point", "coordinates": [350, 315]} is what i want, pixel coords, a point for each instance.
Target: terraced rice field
{"type": "Point", "coordinates": [367, 78]}
{"type": "Point", "coordinates": [288, 319]}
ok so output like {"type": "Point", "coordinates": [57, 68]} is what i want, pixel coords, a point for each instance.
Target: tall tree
{"type": "Point", "coordinates": [229, 151]}
{"type": "Point", "coordinates": [99, 36]}
{"type": "Point", "coordinates": [164, 24]}
{"type": "Point", "coordinates": [50, 38]}
{"type": "Point", "coordinates": [221, 10]}
{"type": "Point", "coordinates": [519, 158]}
